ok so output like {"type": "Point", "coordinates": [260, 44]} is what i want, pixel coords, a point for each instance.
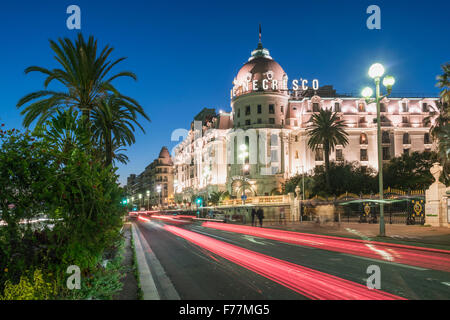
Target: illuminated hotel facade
{"type": "Point", "coordinates": [271, 121]}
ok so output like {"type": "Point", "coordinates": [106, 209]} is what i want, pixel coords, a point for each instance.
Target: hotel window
{"type": "Point", "coordinates": [363, 155]}
{"type": "Point", "coordinates": [337, 107]}
{"type": "Point", "coordinates": [296, 154]}
{"type": "Point", "coordinates": [271, 120]}
{"type": "Point", "coordinates": [282, 122]}
{"type": "Point", "coordinates": [319, 154]}
{"type": "Point", "coordinates": [406, 151]}
{"type": "Point", "coordinates": [239, 113]}
{"type": "Point", "coordinates": [247, 110]}
{"type": "Point", "coordinates": [274, 156]}
{"type": "Point", "coordinates": [385, 137]}
{"type": "Point", "coordinates": [382, 107]}
{"type": "Point", "coordinates": [315, 107]}
{"type": "Point", "coordinates": [404, 107]}
{"type": "Point", "coordinates": [363, 138]}
{"type": "Point", "coordinates": [296, 138]}
{"type": "Point", "coordinates": [361, 107]}
{"type": "Point", "coordinates": [386, 153]}
{"type": "Point", "coordinates": [271, 108]}
{"type": "Point", "coordinates": [247, 122]}
{"type": "Point", "coordinates": [404, 119]}
{"type": "Point", "coordinates": [406, 138]}
{"type": "Point", "coordinates": [259, 121]}
{"type": "Point", "coordinates": [426, 138]}
{"type": "Point", "coordinates": [425, 107]}
{"type": "Point", "coordinates": [259, 108]}
{"type": "Point", "coordinates": [339, 156]}
{"type": "Point", "coordinates": [282, 109]}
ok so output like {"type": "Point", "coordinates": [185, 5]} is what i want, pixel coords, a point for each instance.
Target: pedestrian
{"type": "Point", "coordinates": [260, 214]}
{"type": "Point", "coordinates": [253, 217]}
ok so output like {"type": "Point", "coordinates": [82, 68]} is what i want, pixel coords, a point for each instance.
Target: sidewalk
{"type": "Point", "coordinates": [436, 237]}
{"type": "Point", "coordinates": [130, 285]}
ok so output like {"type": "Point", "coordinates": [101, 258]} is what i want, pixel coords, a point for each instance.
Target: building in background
{"type": "Point", "coordinates": [154, 184]}
{"type": "Point", "coordinates": [263, 141]}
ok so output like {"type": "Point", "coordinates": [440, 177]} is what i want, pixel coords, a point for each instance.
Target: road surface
{"type": "Point", "coordinates": [204, 262]}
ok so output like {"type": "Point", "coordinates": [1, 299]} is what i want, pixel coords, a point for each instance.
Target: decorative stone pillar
{"type": "Point", "coordinates": [434, 196]}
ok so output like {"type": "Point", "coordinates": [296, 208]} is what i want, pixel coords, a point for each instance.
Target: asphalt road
{"type": "Point", "coordinates": [198, 273]}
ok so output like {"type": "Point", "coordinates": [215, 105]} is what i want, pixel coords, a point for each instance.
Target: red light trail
{"type": "Point", "coordinates": [415, 256]}
{"type": "Point", "coordinates": [308, 282]}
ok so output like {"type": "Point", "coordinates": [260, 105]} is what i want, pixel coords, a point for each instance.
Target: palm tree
{"type": "Point", "coordinates": [444, 83]}
{"type": "Point", "coordinates": [114, 120]}
{"type": "Point", "coordinates": [216, 197]}
{"type": "Point", "coordinates": [326, 131]}
{"type": "Point", "coordinates": [440, 114]}
{"type": "Point", "coordinates": [85, 74]}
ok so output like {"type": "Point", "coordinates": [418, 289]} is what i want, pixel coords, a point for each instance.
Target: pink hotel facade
{"type": "Point", "coordinates": [271, 121]}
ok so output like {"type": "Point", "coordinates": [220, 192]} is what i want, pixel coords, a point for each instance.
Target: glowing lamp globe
{"type": "Point", "coordinates": [388, 81]}
{"type": "Point", "coordinates": [376, 70]}
{"type": "Point", "coordinates": [367, 92]}
{"type": "Point", "coordinates": [243, 147]}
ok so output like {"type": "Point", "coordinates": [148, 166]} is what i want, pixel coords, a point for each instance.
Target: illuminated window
{"type": "Point", "coordinates": [362, 107]}
{"type": "Point", "coordinates": [363, 138]}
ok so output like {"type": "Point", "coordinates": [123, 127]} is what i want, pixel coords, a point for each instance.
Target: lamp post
{"type": "Point", "coordinates": [132, 203]}
{"type": "Point", "coordinates": [376, 71]}
{"type": "Point", "coordinates": [140, 201]}
{"type": "Point", "coordinates": [158, 189]}
{"type": "Point", "coordinates": [245, 167]}
{"type": "Point", "coordinates": [148, 200]}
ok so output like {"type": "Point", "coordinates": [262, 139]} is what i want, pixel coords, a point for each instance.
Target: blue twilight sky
{"type": "Point", "coordinates": [186, 53]}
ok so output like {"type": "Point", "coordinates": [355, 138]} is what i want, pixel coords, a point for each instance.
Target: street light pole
{"type": "Point", "coordinates": [243, 155]}
{"type": "Point", "coordinates": [376, 71]}
{"type": "Point", "coordinates": [148, 200]}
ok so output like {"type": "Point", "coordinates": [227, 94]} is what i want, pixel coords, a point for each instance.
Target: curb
{"type": "Point", "coordinates": [148, 287]}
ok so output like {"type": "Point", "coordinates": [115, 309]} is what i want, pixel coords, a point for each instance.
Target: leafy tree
{"type": "Point", "coordinates": [83, 71]}
{"type": "Point", "coordinates": [326, 131]}
{"type": "Point", "coordinates": [410, 171]}
{"type": "Point", "coordinates": [444, 83]}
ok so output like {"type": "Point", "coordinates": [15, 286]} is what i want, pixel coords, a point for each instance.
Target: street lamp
{"type": "Point", "coordinates": [148, 200]}
{"type": "Point", "coordinates": [132, 203]}
{"type": "Point", "coordinates": [158, 189]}
{"type": "Point", "coordinates": [140, 201]}
{"type": "Point", "coordinates": [376, 71]}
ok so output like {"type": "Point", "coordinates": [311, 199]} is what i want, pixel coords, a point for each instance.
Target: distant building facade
{"type": "Point", "coordinates": [157, 179]}
{"type": "Point", "coordinates": [271, 122]}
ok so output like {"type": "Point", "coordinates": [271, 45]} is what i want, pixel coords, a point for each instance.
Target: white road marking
{"type": "Point", "coordinates": [387, 262]}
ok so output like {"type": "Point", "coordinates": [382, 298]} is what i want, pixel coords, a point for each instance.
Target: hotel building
{"type": "Point", "coordinates": [271, 121]}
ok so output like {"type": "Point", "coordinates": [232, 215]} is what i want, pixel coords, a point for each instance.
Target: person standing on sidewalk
{"type": "Point", "coordinates": [260, 214]}
{"type": "Point", "coordinates": [253, 217]}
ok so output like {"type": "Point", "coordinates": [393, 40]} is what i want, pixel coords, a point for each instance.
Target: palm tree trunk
{"type": "Point", "coordinates": [108, 149]}
{"type": "Point", "coordinates": [327, 167]}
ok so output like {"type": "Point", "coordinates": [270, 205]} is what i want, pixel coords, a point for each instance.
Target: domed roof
{"type": "Point", "coordinates": [164, 153]}
{"type": "Point", "coordinates": [260, 66]}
